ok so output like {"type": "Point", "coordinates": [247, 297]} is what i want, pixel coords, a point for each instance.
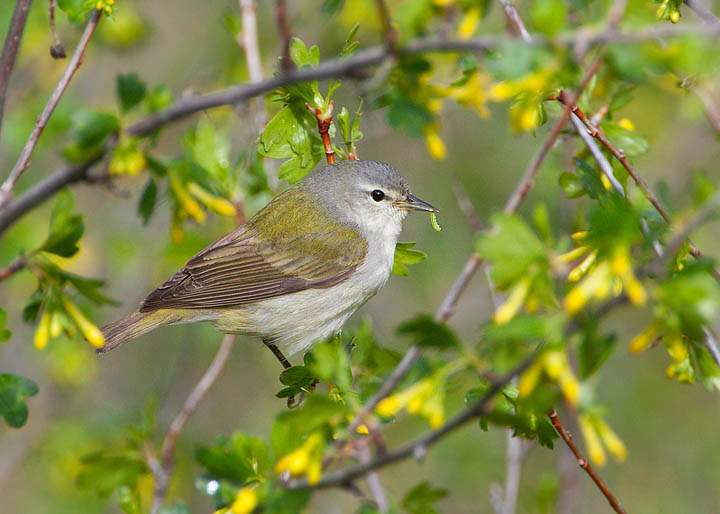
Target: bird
{"type": "Point", "coordinates": [297, 270]}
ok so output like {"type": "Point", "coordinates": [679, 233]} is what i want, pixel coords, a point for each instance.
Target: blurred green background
{"type": "Point", "coordinates": [86, 402]}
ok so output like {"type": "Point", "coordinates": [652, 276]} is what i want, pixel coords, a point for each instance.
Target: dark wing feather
{"type": "Point", "coordinates": [245, 266]}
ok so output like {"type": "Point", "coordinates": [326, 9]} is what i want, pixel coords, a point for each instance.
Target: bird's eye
{"type": "Point", "coordinates": [377, 195]}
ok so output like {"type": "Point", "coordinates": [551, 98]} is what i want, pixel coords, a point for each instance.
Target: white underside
{"type": "Point", "coordinates": [295, 321]}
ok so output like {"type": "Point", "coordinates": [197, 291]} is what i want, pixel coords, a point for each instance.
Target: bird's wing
{"type": "Point", "coordinates": [260, 260]}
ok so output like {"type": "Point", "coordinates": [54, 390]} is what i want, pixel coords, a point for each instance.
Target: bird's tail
{"type": "Point", "coordinates": [133, 326]}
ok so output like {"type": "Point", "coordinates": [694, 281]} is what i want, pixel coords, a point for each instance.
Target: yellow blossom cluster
{"type": "Point", "coordinates": [600, 279]}
{"type": "Point", "coordinates": [54, 321]}
{"type": "Point", "coordinates": [677, 348]}
{"type": "Point", "coordinates": [555, 365]}
{"type": "Point", "coordinates": [245, 502]}
{"type": "Point", "coordinates": [598, 436]}
{"type": "Point", "coordinates": [306, 460]}
{"type": "Point", "coordinates": [105, 6]}
{"type": "Point", "coordinates": [425, 398]}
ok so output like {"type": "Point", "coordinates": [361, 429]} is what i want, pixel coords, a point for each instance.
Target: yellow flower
{"type": "Point", "coordinates": [645, 338]}
{"type": "Point", "coordinates": [626, 124]}
{"type": "Point", "coordinates": [469, 23]}
{"type": "Point", "coordinates": [185, 201]}
{"type": "Point", "coordinates": [557, 367]}
{"type": "Point", "coordinates": [87, 328]}
{"type": "Point", "coordinates": [42, 332]}
{"type": "Point", "coordinates": [592, 441]}
{"type": "Point", "coordinates": [212, 202]}
{"type": "Point", "coordinates": [307, 459]}
{"type": "Point", "coordinates": [533, 83]}
{"type": "Point", "coordinates": [425, 398]}
{"type": "Point", "coordinates": [362, 429]}
{"type": "Point", "coordinates": [529, 379]}
{"type": "Point", "coordinates": [581, 269]}
{"type": "Point", "coordinates": [472, 93]}
{"type": "Point", "coordinates": [388, 406]}
{"type": "Point", "coordinates": [611, 441]}
{"type": "Point", "coordinates": [514, 302]}
{"type": "Point", "coordinates": [245, 501]}
{"type": "Point", "coordinates": [435, 144]}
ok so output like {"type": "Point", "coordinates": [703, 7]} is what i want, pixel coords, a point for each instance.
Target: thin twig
{"type": "Point", "coordinates": [417, 448]}
{"type": "Point", "coordinates": [162, 474]}
{"type": "Point", "coordinates": [598, 133]}
{"type": "Point", "coordinates": [57, 50]}
{"type": "Point", "coordinates": [339, 68]}
{"type": "Point", "coordinates": [386, 25]}
{"type": "Point", "coordinates": [24, 160]}
{"type": "Point", "coordinates": [533, 168]}
{"type": "Point", "coordinates": [703, 12]}
{"type": "Point", "coordinates": [11, 47]}
{"type": "Point", "coordinates": [281, 19]}
{"type": "Point", "coordinates": [515, 23]}
{"type": "Point", "coordinates": [373, 479]}
{"type": "Point", "coordinates": [324, 120]}
{"type": "Point", "coordinates": [14, 267]}
{"type": "Point", "coordinates": [584, 463]}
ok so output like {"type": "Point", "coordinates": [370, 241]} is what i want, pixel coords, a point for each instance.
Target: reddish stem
{"type": "Point", "coordinates": [324, 120]}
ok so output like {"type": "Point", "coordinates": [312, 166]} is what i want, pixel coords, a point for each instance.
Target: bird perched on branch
{"type": "Point", "coordinates": [296, 271]}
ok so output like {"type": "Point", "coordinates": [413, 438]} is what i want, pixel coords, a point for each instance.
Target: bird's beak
{"type": "Point", "coordinates": [412, 203]}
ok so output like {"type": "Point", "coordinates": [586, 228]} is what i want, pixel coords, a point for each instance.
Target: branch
{"type": "Point", "coordinates": [24, 160]}
{"type": "Point", "coordinates": [584, 464]}
{"type": "Point", "coordinates": [324, 120]}
{"type": "Point", "coordinates": [516, 25]}
{"type": "Point", "coordinates": [703, 12]}
{"type": "Point", "coordinates": [14, 267]}
{"type": "Point", "coordinates": [386, 25]}
{"type": "Point", "coordinates": [533, 168]}
{"type": "Point", "coordinates": [417, 448]}
{"type": "Point", "coordinates": [10, 48]}
{"type": "Point", "coordinates": [351, 67]}
{"type": "Point", "coordinates": [598, 133]}
{"type": "Point", "coordinates": [283, 27]}
{"type": "Point", "coordinates": [162, 468]}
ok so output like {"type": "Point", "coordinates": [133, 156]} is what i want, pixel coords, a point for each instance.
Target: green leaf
{"type": "Point", "coordinates": [593, 351]}
{"type": "Point", "coordinates": [240, 458]}
{"type": "Point", "coordinates": [549, 16]}
{"type": "Point", "coordinates": [630, 142]}
{"type": "Point", "coordinates": [104, 473]}
{"type": "Point", "coordinates": [703, 187]}
{"type": "Point", "coordinates": [75, 9]}
{"type": "Point", "coordinates": [129, 500]}
{"type": "Point", "coordinates": [90, 129]}
{"type": "Point", "coordinates": [420, 499]}
{"type": "Point", "coordinates": [590, 179]}
{"type": "Point", "coordinates": [146, 206]}
{"type": "Point", "coordinates": [300, 54]}
{"type": "Point", "coordinates": [329, 361]}
{"type": "Point", "coordinates": [66, 228]}
{"type": "Point", "coordinates": [409, 116]}
{"type": "Point", "coordinates": [572, 185]}
{"type": "Point", "coordinates": [526, 328]}
{"type": "Point", "coordinates": [177, 507]}
{"type": "Point", "coordinates": [4, 332]}
{"type": "Point", "coordinates": [297, 376]}
{"type": "Point", "coordinates": [405, 255]}
{"type": "Point", "coordinates": [130, 90]}
{"type": "Point", "coordinates": [210, 148]}
{"type": "Point", "coordinates": [512, 247]}
{"type": "Point", "coordinates": [158, 98]}
{"type": "Point", "coordinates": [13, 389]}
{"type": "Point", "coordinates": [350, 46]}
{"type": "Point", "coordinates": [428, 333]}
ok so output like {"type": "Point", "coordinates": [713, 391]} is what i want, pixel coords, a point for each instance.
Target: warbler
{"type": "Point", "coordinates": [297, 270]}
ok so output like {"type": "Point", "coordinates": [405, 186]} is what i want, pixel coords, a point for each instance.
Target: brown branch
{"type": "Point", "coordinates": [162, 467]}
{"type": "Point", "coordinates": [57, 51]}
{"type": "Point", "coordinates": [703, 12]}
{"type": "Point", "coordinates": [11, 47]}
{"type": "Point", "coordinates": [281, 19]}
{"type": "Point", "coordinates": [386, 26]}
{"type": "Point", "coordinates": [533, 168]}
{"type": "Point", "coordinates": [324, 120]}
{"type": "Point", "coordinates": [584, 464]}
{"type": "Point", "coordinates": [13, 268]}
{"type": "Point", "coordinates": [417, 448]}
{"type": "Point", "coordinates": [334, 68]}
{"type": "Point", "coordinates": [24, 160]}
{"type": "Point", "coordinates": [598, 133]}
{"type": "Point", "coordinates": [515, 23]}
